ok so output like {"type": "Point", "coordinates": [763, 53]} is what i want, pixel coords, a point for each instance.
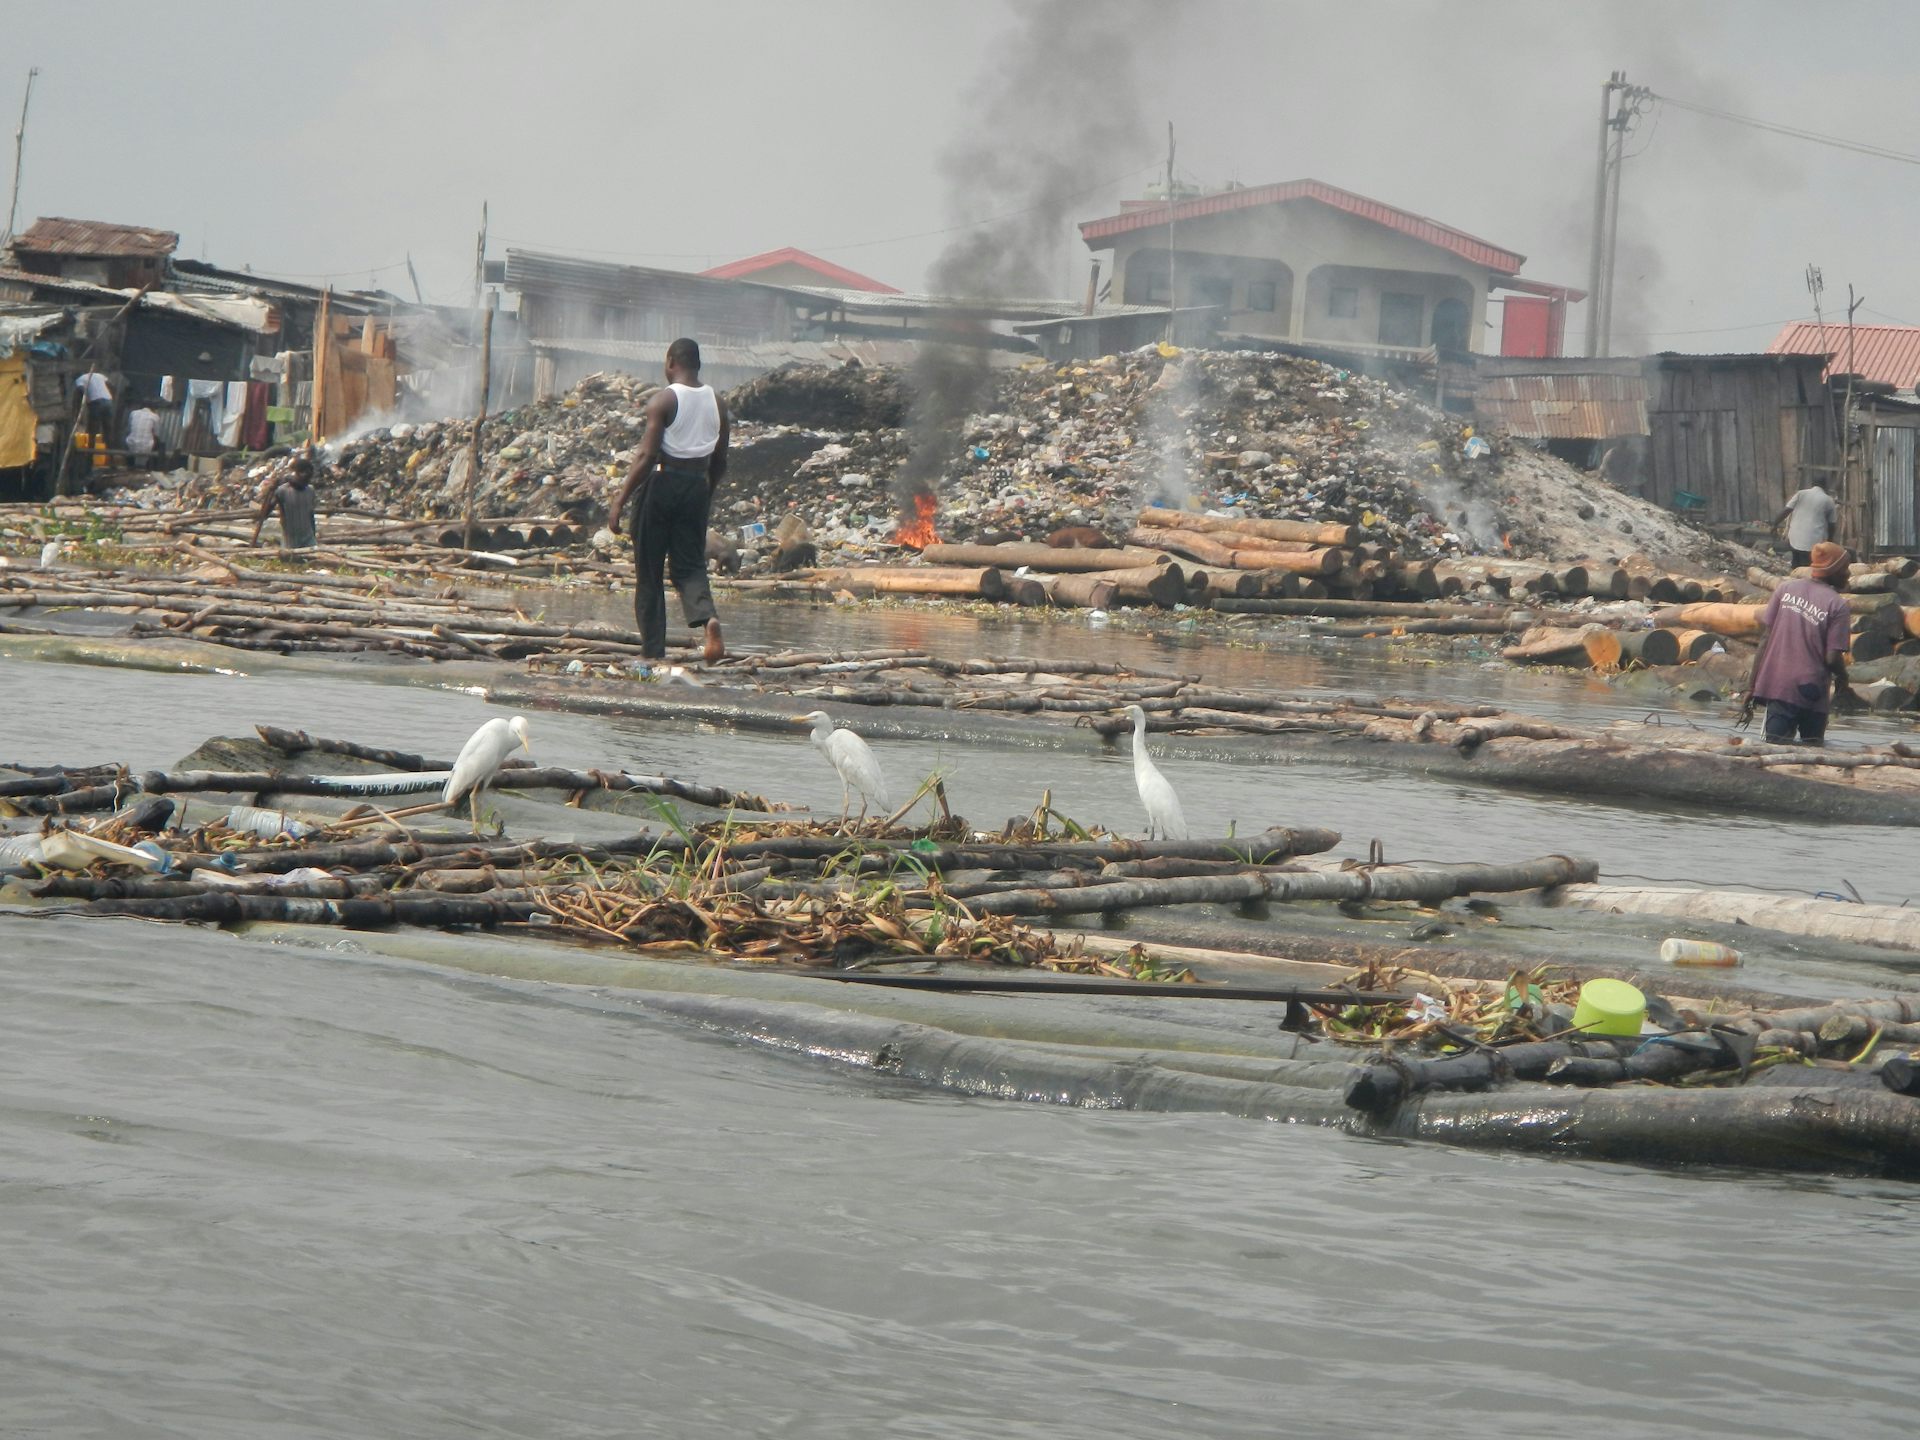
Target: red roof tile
{"type": "Point", "coordinates": [1432, 232]}
{"type": "Point", "coordinates": [1887, 353]}
{"type": "Point", "coordinates": [833, 274]}
{"type": "Point", "coordinates": [53, 235]}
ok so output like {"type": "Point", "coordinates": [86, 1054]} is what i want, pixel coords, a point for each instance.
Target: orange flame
{"type": "Point", "coordinates": [917, 533]}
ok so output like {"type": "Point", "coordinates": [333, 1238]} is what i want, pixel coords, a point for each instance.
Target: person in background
{"type": "Point", "coordinates": [143, 436]}
{"type": "Point", "coordinates": [296, 500]}
{"type": "Point", "coordinates": [1814, 514]}
{"type": "Point", "coordinates": [1802, 664]}
{"type": "Point", "coordinates": [96, 406]}
{"type": "Point", "coordinates": [680, 463]}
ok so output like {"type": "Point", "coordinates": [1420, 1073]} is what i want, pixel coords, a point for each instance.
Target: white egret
{"type": "Point", "coordinates": [1164, 820]}
{"type": "Point", "coordinates": [480, 761]}
{"type": "Point", "coordinates": [849, 755]}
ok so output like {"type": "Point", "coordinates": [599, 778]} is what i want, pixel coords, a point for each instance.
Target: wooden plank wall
{"type": "Point", "coordinates": [1738, 433]}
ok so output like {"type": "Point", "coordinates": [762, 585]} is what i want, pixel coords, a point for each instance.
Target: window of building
{"type": "Point", "coordinates": [1400, 317]}
{"type": "Point", "coordinates": [1343, 302]}
{"type": "Point", "coordinates": [1211, 290]}
{"type": "Point", "coordinates": [1450, 325]}
{"type": "Point", "coordinates": [1262, 294]}
{"type": "Point", "coordinates": [1159, 290]}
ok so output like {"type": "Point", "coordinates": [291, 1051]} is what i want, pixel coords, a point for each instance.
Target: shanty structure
{"type": "Point", "coordinates": [119, 257]}
{"type": "Point", "coordinates": [796, 267]}
{"type": "Point", "coordinates": [579, 316]}
{"type": "Point", "coordinates": [1315, 265]}
{"type": "Point", "coordinates": [1885, 355]}
{"type": "Point", "coordinates": [1724, 439]}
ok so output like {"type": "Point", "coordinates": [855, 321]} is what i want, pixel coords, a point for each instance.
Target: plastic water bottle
{"type": "Point", "coordinates": [267, 824]}
{"type": "Point", "coordinates": [1702, 953]}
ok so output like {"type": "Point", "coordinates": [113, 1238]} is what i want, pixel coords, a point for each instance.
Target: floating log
{"type": "Point", "coordinates": [1591, 646]}
{"type": "Point", "coordinates": [1341, 609]}
{"type": "Point", "coordinates": [974, 583]}
{"type": "Point", "coordinates": [535, 777]}
{"type": "Point", "coordinates": [1380, 1087]}
{"type": "Point", "coordinates": [1313, 532]}
{"type": "Point", "coordinates": [1894, 927]}
{"type": "Point", "coordinates": [1043, 558]}
{"type": "Point", "coordinates": [1426, 883]}
{"type": "Point", "coordinates": [1411, 625]}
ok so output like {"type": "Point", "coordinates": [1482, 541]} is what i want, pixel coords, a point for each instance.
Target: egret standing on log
{"type": "Point", "coordinates": [480, 761]}
{"type": "Point", "coordinates": [849, 755]}
{"type": "Point", "coordinates": [1164, 820]}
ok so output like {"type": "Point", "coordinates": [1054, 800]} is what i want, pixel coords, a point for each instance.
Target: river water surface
{"type": "Point", "coordinates": [296, 1188]}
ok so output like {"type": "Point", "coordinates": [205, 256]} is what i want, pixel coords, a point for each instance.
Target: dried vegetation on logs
{"type": "Point", "coordinates": [759, 890]}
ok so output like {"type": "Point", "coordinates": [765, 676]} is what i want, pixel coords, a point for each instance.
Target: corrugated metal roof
{"type": "Point", "coordinates": [12, 280]}
{"type": "Point", "coordinates": [903, 303]}
{"type": "Point", "coordinates": [833, 274]}
{"type": "Point", "coordinates": [1432, 232]}
{"type": "Point", "coordinates": [1887, 353]}
{"type": "Point", "coordinates": [56, 235]}
{"type": "Point", "coordinates": [768, 355]}
{"type": "Point", "coordinates": [1586, 406]}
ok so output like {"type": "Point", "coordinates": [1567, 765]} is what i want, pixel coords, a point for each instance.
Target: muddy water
{"type": "Point", "coordinates": [296, 1190]}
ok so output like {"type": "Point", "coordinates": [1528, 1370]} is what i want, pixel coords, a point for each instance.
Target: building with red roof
{"type": "Point", "coordinates": [1883, 354]}
{"type": "Point", "coordinates": [797, 267]}
{"type": "Point", "coordinates": [1310, 263]}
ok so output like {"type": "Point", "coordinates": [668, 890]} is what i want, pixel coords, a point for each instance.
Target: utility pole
{"type": "Point", "coordinates": [19, 151]}
{"type": "Point", "coordinates": [1619, 106]}
{"type": "Point", "coordinates": [1599, 213]}
{"type": "Point", "coordinates": [1855, 502]}
{"type": "Point", "coordinates": [1173, 299]}
{"type": "Point", "coordinates": [480, 260]}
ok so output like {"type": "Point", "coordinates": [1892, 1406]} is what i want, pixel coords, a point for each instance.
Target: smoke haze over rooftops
{"type": "Point", "coordinates": [307, 149]}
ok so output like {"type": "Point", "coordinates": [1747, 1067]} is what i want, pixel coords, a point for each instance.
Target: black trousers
{"type": "Point", "coordinates": [670, 533]}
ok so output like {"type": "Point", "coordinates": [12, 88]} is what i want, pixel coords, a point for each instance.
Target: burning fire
{"type": "Point", "coordinates": [917, 532]}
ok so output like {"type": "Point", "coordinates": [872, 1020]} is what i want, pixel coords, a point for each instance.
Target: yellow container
{"type": "Point", "coordinates": [1610, 1007]}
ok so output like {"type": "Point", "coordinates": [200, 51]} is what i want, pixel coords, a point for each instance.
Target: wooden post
{"type": "Point", "coordinates": [480, 419]}
{"type": "Point", "coordinates": [322, 338]}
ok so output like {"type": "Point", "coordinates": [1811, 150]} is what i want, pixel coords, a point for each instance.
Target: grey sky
{"type": "Point", "coordinates": [338, 138]}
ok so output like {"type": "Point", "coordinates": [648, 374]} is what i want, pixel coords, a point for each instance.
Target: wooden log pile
{"type": "Point", "coordinates": [286, 614]}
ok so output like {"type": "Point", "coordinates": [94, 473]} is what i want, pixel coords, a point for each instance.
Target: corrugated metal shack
{"type": "Point", "coordinates": [586, 315]}
{"type": "Point", "coordinates": [1723, 438]}
{"type": "Point", "coordinates": [1883, 471]}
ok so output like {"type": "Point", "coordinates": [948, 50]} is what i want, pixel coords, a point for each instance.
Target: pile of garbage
{"type": "Point", "coordinates": [823, 450]}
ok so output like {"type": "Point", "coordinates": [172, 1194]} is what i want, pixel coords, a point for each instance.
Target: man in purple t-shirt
{"type": "Point", "coordinates": [1803, 655]}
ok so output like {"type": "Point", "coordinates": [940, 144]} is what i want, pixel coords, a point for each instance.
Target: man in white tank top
{"type": "Point", "coordinates": [681, 460]}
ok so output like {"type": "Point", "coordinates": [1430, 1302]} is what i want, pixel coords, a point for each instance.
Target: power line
{"type": "Point", "coordinates": [1859, 147]}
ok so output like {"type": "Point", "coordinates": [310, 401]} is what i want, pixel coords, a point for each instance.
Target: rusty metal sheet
{"type": "Point", "coordinates": [55, 235]}
{"type": "Point", "coordinates": [1564, 407]}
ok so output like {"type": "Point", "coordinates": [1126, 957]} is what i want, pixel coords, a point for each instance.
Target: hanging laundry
{"type": "Point", "coordinates": [202, 416]}
{"type": "Point", "coordinates": [234, 414]}
{"type": "Point", "coordinates": [256, 433]}
{"type": "Point", "coordinates": [167, 390]}
{"type": "Point", "coordinates": [268, 367]}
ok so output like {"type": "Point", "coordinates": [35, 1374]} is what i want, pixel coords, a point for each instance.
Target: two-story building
{"type": "Point", "coordinates": [1308, 262]}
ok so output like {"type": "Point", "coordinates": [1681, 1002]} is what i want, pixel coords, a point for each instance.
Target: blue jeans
{"type": "Point", "coordinates": [1784, 721]}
